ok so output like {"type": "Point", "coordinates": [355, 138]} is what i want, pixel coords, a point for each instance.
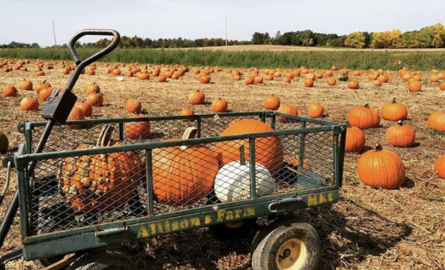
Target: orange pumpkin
{"type": "Point", "coordinates": [196, 97]}
{"type": "Point", "coordinates": [401, 135]}
{"type": "Point", "coordinates": [133, 106]}
{"type": "Point", "coordinates": [268, 150]}
{"type": "Point", "coordinates": [381, 168]}
{"type": "Point", "coordinates": [93, 88]}
{"type": "Point", "coordinates": [436, 121]}
{"type": "Point", "coordinates": [86, 108]}
{"type": "Point", "coordinates": [45, 93]}
{"type": "Point", "coordinates": [257, 79]}
{"type": "Point", "coordinates": [219, 105]}
{"type": "Point", "coordinates": [439, 166]}
{"type": "Point", "coordinates": [315, 110]}
{"type": "Point", "coordinates": [183, 175]}
{"type": "Point", "coordinates": [41, 85]}
{"type": "Point", "coordinates": [287, 109]}
{"type": "Point", "coordinates": [9, 91]}
{"type": "Point", "coordinates": [25, 85]}
{"type": "Point", "coordinates": [414, 86]}
{"type": "Point", "coordinates": [102, 182]}
{"type": "Point", "coordinates": [271, 102]}
{"type": "Point", "coordinates": [95, 99]}
{"type": "Point", "coordinates": [353, 84]}
{"type": "Point", "coordinates": [442, 86]}
{"type": "Point", "coordinates": [364, 117]}
{"type": "Point", "coordinates": [355, 139]}
{"type": "Point", "coordinates": [308, 83]}
{"type": "Point", "coordinates": [332, 81]}
{"type": "Point", "coordinates": [186, 111]}
{"type": "Point", "coordinates": [29, 103]}
{"type": "Point", "coordinates": [249, 80]}
{"type": "Point", "coordinates": [75, 114]}
{"type": "Point", "coordinates": [204, 79]}
{"type": "Point", "coordinates": [136, 130]}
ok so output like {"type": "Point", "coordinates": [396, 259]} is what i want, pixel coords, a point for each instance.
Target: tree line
{"type": "Point", "coordinates": [427, 37]}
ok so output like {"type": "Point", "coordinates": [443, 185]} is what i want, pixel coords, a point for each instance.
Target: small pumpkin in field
{"type": "Point", "coordinates": [75, 114]}
{"type": "Point", "coordinates": [25, 85]}
{"type": "Point", "coordinates": [353, 84]}
{"type": "Point", "coordinates": [381, 168]}
{"type": "Point", "coordinates": [186, 111]}
{"type": "Point", "coordinates": [332, 81]}
{"type": "Point", "coordinates": [355, 139]}
{"type": "Point", "coordinates": [41, 85]}
{"type": "Point", "coordinates": [436, 121]}
{"type": "Point", "coordinates": [29, 103]}
{"type": "Point", "coordinates": [414, 86]}
{"type": "Point", "coordinates": [196, 97]}
{"type": "Point", "coordinates": [102, 182]}
{"type": "Point", "coordinates": [86, 108]}
{"type": "Point", "coordinates": [287, 109]}
{"type": "Point", "coordinates": [364, 117]}
{"type": "Point", "coordinates": [308, 83]}
{"type": "Point", "coordinates": [271, 102]}
{"type": "Point", "coordinates": [268, 150]}
{"type": "Point", "coordinates": [401, 135]}
{"type": "Point", "coordinates": [92, 88]}
{"type": "Point", "coordinates": [9, 91]}
{"type": "Point", "coordinates": [183, 175]}
{"type": "Point", "coordinates": [394, 111]}
{"type": "Point", "coordinates": [133, 106]}
{"type": "Point", "coordinates": [4, 143]}
{"type": "Point", "coordinates": [45, 93]}
{"type": "Point", "coordinates": [138, 129]}
{"type": "Point", "coordinates": [439, 166]}
{"type": "Point", "coordinates": [95, 99]}
{"type": "Point", "coordinates": [219, 105]}
{"type": "Point", "coordinates": [315, 110]}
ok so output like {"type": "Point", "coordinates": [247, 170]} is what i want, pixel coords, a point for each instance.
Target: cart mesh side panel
{"type": "Point", "coordinates": [75, 190]}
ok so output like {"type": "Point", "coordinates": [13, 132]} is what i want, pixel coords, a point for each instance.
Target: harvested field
{"type": "Point", "coordinates": [368, 229]}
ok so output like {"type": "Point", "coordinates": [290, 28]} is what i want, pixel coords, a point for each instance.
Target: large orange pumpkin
{"type": "Point", "coordinates": [268, 150]}
{"type": "Point", "coordinates": [436, 120]}
{"type": "Point", "coordinates": [271, 102]}
{"type": "Point", "coordinates": [102, 182]}
{"type": "Point", "coordinates": [287, 109]}
{"type": "Point", "coordinates": [75, 114]}
{"type": "Point", "coordinates": [381, 168]}
{"type": "Point", "coordinates": [183, 175]}
{"type": "Point", "coordinates": [196, 97]}
{"type": "Point", "coordinates": [355, 139]}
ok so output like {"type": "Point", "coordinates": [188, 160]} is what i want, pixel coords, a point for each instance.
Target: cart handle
{"type": "Point", "coordinates": [82, 64]}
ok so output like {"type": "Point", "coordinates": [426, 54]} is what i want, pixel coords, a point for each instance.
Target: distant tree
{"type": "Point", "coordinates": [377, 40]}
{"type": "Point", "coordinates": [393, 39]}
{"type": "Point", "coordinates": [355, 40]}
{"type": "Point", "coordinates": [260, 38]}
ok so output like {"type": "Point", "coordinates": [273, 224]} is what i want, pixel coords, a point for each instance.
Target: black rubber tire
{"type": "Point", "coordinates": [227, 231]}
{"type": "Point", "coordinates": [102, 259]}
{"type": "Point", "coordinates": [290, 245]}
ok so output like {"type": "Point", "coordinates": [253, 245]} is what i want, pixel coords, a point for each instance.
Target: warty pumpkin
{"type": "Point", "coordinates": [101, 182]}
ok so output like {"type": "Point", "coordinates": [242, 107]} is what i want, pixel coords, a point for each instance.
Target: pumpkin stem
{"type": "Point", "coordinates": [105, 136]}
{"type": "Point", "coordinates": [378, 147]}
{"type": "Point", "coordinates": [366, 105]}
{"type": "Point", "coordinates": [242, 157]}
{"type": "Point", "coordinates": [394, 100]}
{"type": "Point", "coordinates": [399, 122]}
{"type": "Point", "coordinates": [348, 124]}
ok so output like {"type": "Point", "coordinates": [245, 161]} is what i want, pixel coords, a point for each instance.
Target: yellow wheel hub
{"type": "Point", "coordinates": [291, 255]}
{"type": "Point", "coordinates": [235, 224]}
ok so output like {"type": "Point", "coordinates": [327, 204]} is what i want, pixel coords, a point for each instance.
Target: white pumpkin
{"type": "Point", "coordinates": [232, 183]}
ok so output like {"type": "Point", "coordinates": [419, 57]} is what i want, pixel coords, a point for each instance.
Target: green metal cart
{"type": "Point", "coordinates": [89, 188]}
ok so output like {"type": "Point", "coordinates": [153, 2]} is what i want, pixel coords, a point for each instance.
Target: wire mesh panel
{"type": "Point", "coordinates": [155, 166]}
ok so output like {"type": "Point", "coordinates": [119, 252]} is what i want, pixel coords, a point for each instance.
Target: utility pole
{"type": "Point", "coordinates": [54, 33]}
{"type": "Point", "coordinates": [225, 21]}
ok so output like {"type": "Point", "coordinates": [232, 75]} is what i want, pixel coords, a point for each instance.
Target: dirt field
{"type": "Point", "coordinates": [368, 229]}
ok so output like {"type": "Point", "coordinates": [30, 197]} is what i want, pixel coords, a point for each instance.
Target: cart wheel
{"type": "Point", "coordinates": [231, 230]}
{"type": "Point", "coordinates": [103, 259]}
{"type": "Point", "coordinates": [45, 262]}
{"type": "Point", "coordinates": [286, 245]}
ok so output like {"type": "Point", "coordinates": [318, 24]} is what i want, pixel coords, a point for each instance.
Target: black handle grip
{"type": "Point", "coordinates": [80, 65]}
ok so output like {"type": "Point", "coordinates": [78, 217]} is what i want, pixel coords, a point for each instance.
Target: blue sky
{"type": "Point", "coordinates": [31, 21]}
